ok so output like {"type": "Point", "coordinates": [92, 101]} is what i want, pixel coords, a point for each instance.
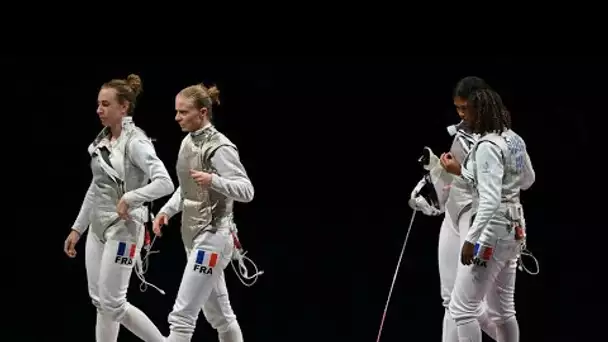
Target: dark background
{"type": "Point", "coordinates": [330, 144]}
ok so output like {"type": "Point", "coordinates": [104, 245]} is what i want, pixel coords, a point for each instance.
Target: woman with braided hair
{"type": "Point", "coordinates": [454, 199]}
{"type": "Point", "coordinates": [123, 161]}
{"type": "Point", "coordinates": [498, 167]}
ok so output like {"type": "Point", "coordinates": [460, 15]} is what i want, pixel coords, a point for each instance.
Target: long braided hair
{"type": "Point", "coordinates": [489, 113]}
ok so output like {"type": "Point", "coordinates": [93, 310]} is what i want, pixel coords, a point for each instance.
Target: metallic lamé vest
{"type": "Point", "coordinates": [109, 192]}
{"type": "Point", "coordinates": [461, 192]}
{"type": "Point", "coordinates": [513, 150]}
{"type": "Point", "coordinates": [202, 208]}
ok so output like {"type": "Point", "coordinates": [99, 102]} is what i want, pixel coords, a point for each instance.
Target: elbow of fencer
{"type": "Point", "coordinates": [249, 194]}
{"type": "Point", "coordinates": [532, 181]}
{"type": "Point", "coordinates": [526, 186]}
{"type": "Point", "coordinates": [168, 186]}
{"type": "Point", "coordinates": [528, 182]}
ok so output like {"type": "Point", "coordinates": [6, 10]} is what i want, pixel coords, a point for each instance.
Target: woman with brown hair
{"type": "Point", "coordinates": [126, 174]}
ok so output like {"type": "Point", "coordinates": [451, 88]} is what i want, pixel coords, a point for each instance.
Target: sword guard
{"type": "Point", "coordinates": [428, 160]}
{"type": "Point", "coordinates": [425, 158]}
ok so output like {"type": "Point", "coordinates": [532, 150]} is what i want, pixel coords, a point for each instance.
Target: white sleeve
{"type": "Point", "coordinates": [143, 155]}
{"type": "Point", "coordinates": [231, 180]}
{"type": "Point", "coordinates": [174, 204]}
{"type": "Point", "coordinates": [84, 216]}
{"type": "Point", "coordinates": [488, 173]}
{"type": "Point", "coordinates": [529, 176]}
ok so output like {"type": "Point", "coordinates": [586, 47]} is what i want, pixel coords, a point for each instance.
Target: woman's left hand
{"type": "Point", "coordinates": [450, 164]}
{"type": "Point", "coordinates": [123, 209]}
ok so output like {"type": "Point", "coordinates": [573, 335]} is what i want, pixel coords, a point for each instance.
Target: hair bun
{"type": "Point", "coordinates": [214, 94]}
{"type": "Point", "coordinates": [134, 82]}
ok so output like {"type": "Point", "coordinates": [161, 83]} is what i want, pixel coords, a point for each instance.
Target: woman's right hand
{"type": "Point", "coordinates": [69, 246]}
{"type": "Point", "coordinates": [450, 164]}
{"type": "Point", "coordinates": [159, 221]}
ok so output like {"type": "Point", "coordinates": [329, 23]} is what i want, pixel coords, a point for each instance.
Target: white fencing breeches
{"type": "Point", "coordinates": [219, 313]}
{"type": "Point", "coordinates": [450, 243]}
{"type": "Point", "coordinates": [203, 288]}
{"type": "Point", "coordinates": [109, 266]}
{"type": "Point", "coordinates": [496, 283]}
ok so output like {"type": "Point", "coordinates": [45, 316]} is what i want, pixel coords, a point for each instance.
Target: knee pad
{"type": "Point", "coordinates": [498, 315]}
{"type": "Point", "coordinates": [230, 327]}
{"type": "Point", "coordinates": [461, 314]}
{"type": "Point", "coordinates": [96, 303]}
{"type": "Point", "coordinates": [220, 323]}
{"type": "Point", "coordinates": [491, 314]}
{"type": "Point", "coordinates": [182, 326]}
{"type": "Point", "coordinates": [232, 334]}
{"type": "Point", "coordinates": [115, 309]}
{"type": "Point", "coordinates": [219, 314]}
{"type": "Point", "coordinates": [501, 319]}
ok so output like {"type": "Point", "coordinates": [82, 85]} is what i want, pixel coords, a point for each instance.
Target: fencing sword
{"type": "Point", "coordinates": [390, 292]}
{"type": "Point", "coordinates": [428, 160]}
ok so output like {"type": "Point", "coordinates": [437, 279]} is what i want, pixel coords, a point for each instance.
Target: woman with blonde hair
{"type": "Point", "coordinates": [211, 177]}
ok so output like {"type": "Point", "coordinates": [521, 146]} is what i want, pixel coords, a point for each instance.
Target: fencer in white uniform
{"type": "Point", "coordinates": [211, 177]}
{"type": "Point", "coordinates": [498, 167]}
{"type": "Point", "coordinates": [439, 192]}
{"type": "Point", "coordinates": [126, 174]}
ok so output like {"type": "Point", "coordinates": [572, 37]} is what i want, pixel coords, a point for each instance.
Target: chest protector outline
{"type": "Point", "coordinates": [201, 207]}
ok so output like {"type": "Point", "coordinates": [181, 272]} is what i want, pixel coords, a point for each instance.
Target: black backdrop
{"type": "Point", "coordinates": [331, 147]}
